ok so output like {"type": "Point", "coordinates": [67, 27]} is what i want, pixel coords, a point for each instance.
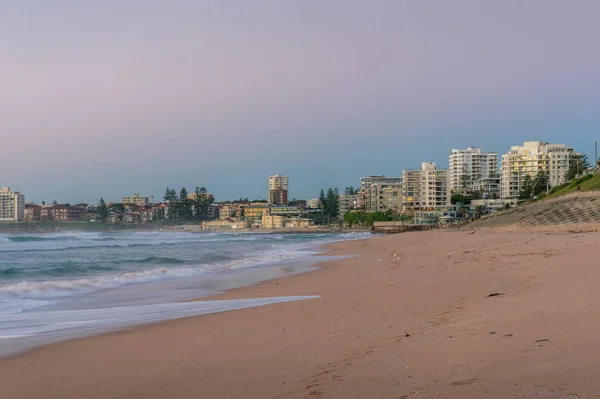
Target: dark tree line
{"type": "Point", "coordinates": [186, 207]}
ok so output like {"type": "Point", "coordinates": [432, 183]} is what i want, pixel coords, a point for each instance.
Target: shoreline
{"type": "Point", "coordinates": [220, 282]}
{"type": "Point", "coordinates": [483, 322]}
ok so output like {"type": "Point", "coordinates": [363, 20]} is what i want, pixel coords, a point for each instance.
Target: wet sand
{"type": "Point", "coordinates": [459, 314]}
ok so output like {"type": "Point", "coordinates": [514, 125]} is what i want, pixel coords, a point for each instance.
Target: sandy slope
{"type": "Point", "coordinates": [422, 326]}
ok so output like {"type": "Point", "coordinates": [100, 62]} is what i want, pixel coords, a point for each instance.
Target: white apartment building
{"type": "Point", "coordinates": [425, 189]}
{"type": "Point", "coordinates": [530, 159]}
{"type": "Point", "coordinates": [469, 166]}
{"type": "Point", "coordinates": [137, 200]}
{"type": "Point", "coordinates": [278, 182]}
{"type": "Point", "coordinates": [278, 189]}
{"type": "Point", "coordinates": [12, 205]}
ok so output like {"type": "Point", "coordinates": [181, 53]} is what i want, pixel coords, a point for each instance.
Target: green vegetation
{"type": "Point", "coordinates": [329, 204]}
{"type": "Point", "coordinates": [586, 183]}
{"type": "Point", "coordinates": [354, 218]}
{"type": "Point", "coordinates": [102, 210]}
{"type": "Point", "coordinates": [578, 164]}
{"type": "Point", "coordinates": [533, 187]}
{"type": "Point", "coordinates": [456, 198]}
{"type": "Point", "coordinates": [351, 190]}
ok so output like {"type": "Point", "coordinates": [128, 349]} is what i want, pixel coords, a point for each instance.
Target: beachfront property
{"type": "Point", "coordinates": [380, 197]}
{"type": "Point", "coordinates": [530, 159]}
{"type": "Point", "coordinates": [372, 188]}
{"type": "Point", "coordinates": [469, 166]}
{"type": "Point", "coordinates": [227, 212]}
{"type": "Point", "coordinates": [12, 205]}
{"type": "Point", "coordinates": [278, 189]}
{"type": "Point", "coordinates": [427, 189]}
{"type": "Point", "coordinates": [137, 200]}
{"type": "Point", "coordinates": [487, 206]}
{"type": "Point", "coordinates": [32, 213]}
{"type": "Point", "coordinates": [224, 225]}
{"type": "Point", "coordinates": [272, 220]}
{"type": "Point", "coordinates": [488, 187]}
{"type": "Point", "coordinates": [346, 202]}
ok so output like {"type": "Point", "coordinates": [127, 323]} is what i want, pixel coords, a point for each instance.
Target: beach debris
{"type": "Point", "coordinates": [448, 255]}
{"type": "Point", "coordinates": [508, 335]}
{"type": "Point", "coordinates": [465, 382]}
{"type": "Point", "coordinates": [407, 335]}
{"type": "Point", "coordinates": [495, 294]}
{"type": "Point", "coordinates": [473, 232]}
{"type": "Point", "coordinates": [492, 332]}
{"type": "Point", "coordinates": [542, 340]}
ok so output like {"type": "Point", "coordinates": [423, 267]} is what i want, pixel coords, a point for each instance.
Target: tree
{"type": "Point", "coordinates": [526, 187]}
{"type": "Point", "coordinates": [185, 205]}
{"type": "Point", "coordinates": [201, 203]}
{"type": "Point", "coordinates": [578, 163]}
{"type": "Point", "coordinates": [350, 191]}
{"type": "Point", "coordinates": [331, 204]}
{"type": "Point", "coordinates": [456, 198]}
{"type": "Point", "coordinates": [531, 187]}
{"type": "Point", "coordinates": [171, 198]}
{"type": "Point", "coordinates": [102, 210]}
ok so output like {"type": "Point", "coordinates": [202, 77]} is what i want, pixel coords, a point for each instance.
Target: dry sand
{"type": "Point", "coordinates": [422, 326]}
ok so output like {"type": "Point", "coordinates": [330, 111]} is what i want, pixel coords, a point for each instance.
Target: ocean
{"type": "Point", "coordinates": [71, 284]}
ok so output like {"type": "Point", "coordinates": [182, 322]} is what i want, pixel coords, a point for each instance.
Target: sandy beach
{"type": "Point", "coordinates": [438, 314]}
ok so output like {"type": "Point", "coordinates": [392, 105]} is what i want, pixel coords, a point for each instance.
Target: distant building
{"type": "Point", "coordinates": [278, 190]}
{"type": "Point", "coordinates": [227, 212]}
{"type": "Point", "coordinates": [223, 225]}
{"type": "Point", "coordinates": [12, 205]}
{"type": "Point", "coordinates": [427, 189]}
{"type": "Point", "coordinates": [63, 213]}
{"type": "Point", "coordinates": [379, 193]}
{"type": "Point", "coordinates": [469, 166]}
{"type": "Point", "coordinates": [346, 202]}
{"type": "Point", "coordinates": [32, 213]}
{"type": "Point", "coordinates": [488, 187]}
{"type": "Point", "coordinates": [493, 205]}
{"type": "Point", "coordinates": [313, 203]}
{"type": "Point", "coordinates": [137, 200]}
{"type": "Point", "coordinates": [531, 159]}
{"type": "Point", "coordinates": [380, 197]}
{"type": "Point", "coordinates": [254, 212]}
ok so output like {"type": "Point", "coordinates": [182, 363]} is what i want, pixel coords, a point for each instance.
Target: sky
{"type": "Point", "coordinates": [107, 98]}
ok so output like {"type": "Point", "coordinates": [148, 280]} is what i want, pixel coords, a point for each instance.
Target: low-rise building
{"type": "Point", "coordinates": [227, 212]}
{"type": "Point", "coordinates": [137, 200]}
{"type": "Point", "coordinates": [32, 213]}
{"type": "Point", "coordinates": [493, 205]}
{"type": "Point", "coordinates": [63, 213]}
{"type": "Point", "coordinates": [224, 225]}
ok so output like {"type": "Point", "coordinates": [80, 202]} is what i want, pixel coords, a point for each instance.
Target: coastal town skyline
{"type": "Point", "coordinates": [265, 193]}
{"type": "Point", "coordinates": [225, 94]}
